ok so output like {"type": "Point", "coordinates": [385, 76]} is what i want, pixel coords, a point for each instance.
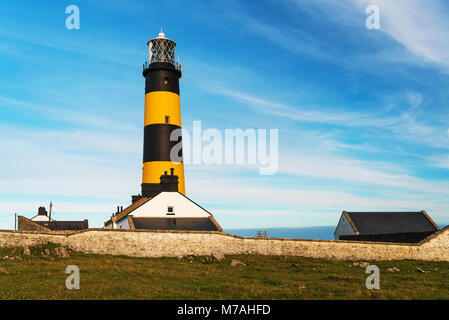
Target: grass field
{"type": "Point", "coordinates": [264, 277]}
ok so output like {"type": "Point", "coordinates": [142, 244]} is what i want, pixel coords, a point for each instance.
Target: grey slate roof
{"type": "Point", "coordinates": [192, 224]}
{"type": "Point", "coordinates": [64, 225]}
{"type": "Point", "coordinates": [391, 222]}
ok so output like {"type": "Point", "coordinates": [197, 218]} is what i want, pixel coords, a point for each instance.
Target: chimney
{"type": "Point", "coordinates": [135, 198]}
{"type": "Point", "coordinates": [169, 182]}
{"type": "Point", "coordinates": [42, 211]}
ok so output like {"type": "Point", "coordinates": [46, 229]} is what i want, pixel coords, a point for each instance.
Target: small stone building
{"type": "Point", "coordinates": [42, 222]}
{"type": "Point", "coordinates": [401, 227]}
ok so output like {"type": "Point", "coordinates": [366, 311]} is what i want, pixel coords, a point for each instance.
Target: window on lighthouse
{"type": "Point", "coordinates": [171, 211]}
{"type": "Point", "coordinates": [167, 119]}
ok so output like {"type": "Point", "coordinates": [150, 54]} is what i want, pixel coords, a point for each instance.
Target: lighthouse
{"type": "Point", "coordinates": [162, 117]}
{"type": "Point", "coordinates": [163, 204]}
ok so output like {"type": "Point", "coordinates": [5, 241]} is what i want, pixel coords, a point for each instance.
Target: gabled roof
{"type": "Point", "coordinates": [128, 210]}
{"type": "Point", "coordinates": [132, 210]}
{"type": "Point", "coordinates": [390, 222]}
{"type": "Point", "coordinates": [183, 207]}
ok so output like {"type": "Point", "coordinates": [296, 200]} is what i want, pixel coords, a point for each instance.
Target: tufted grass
{"type": "Point", "coordinates": [265, 277]}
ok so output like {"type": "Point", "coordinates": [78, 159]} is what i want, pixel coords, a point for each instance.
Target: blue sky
{"type": "Point", "coordinates": [362, 114]}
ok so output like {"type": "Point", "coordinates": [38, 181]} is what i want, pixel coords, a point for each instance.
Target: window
{"type": "Point", "coordinates": [167, 119]}
{"type": "Point", "coordinates": [171, 211]}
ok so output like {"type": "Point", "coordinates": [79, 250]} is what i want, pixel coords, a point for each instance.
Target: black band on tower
{"type": "Point", "coordinates": [157, 144]}
{"type": "Point", "coordinates": [161, 76]}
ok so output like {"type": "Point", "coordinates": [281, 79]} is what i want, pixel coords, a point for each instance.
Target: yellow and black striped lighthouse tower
{"type": "Point", "coordinates": [161, 152]}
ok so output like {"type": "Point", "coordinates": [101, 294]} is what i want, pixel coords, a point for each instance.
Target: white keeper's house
{"type": "Point", "coordinates": [167, 210]}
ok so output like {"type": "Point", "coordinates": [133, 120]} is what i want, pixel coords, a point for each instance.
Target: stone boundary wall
{"type": "Point", "coordinates": [142, 243]}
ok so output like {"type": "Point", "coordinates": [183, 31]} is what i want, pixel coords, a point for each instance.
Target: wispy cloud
{"type": "Point", "coordinates": [312, 202]}
{"type": "Point", "coordinates": [67, 115]}
{"type": "Point", "coordinates": [420, 26]}
{"type": "Point", "coordinates": [365, 172]}
{"type": "Point", "coordinates": [403, 122]}
{"type": "Point", "coordinates": [292, 113]}
{"type": "Point", "coordinates": [78, 163]}
{"type": "Point", "coordinates": [291, 39]}
{"type": "Point", "coordinates": [83, 47]}
{"type": "Point", "coordinates": [94, 141]}
{"type": "Point", "coordinates": [440, 161]}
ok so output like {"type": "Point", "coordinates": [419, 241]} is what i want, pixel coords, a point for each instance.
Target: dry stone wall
{"type": "Point", "coordinates": [176, 243]}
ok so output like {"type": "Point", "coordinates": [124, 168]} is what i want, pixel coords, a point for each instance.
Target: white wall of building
{"type": "Point", "coordinates": [123, 224]}
{"type": "Point", "coordinates": [157, 207]}
{"type": "Point", "coordinates": [41, 218]}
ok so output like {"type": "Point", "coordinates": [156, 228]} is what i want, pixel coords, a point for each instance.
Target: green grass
{"type": "Point", "coordinates": [265, 277]}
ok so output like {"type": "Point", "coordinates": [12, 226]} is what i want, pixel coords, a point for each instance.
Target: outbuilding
{"type": "Point", "coordinates": [402, 227]}
{"type": "Point", "coordinates": [43, 222]}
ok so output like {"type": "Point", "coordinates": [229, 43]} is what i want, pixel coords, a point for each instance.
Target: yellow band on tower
{"type": "Point", "coordinates": [153, 170]}
{"type": "Point", "coordinates": [162, 104]}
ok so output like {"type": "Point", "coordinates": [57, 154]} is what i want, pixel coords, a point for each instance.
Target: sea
{"type": "Point", "coordinates": [319, 233]}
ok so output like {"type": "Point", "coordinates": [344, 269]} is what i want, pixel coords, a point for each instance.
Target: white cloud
{"type": "Point", "coordinates": [364, 172]}
{"type": "Point", "coordinates": [79, 163]}
{"type": "Point", "coordinates": [421, 26]}
{"type": "Point", "coordinates": [39, 164]}
{"type": "Point", "coordinates": [93, 141]}
{"type": "Point", "coordinates": [406, 122]}
{"type": "Point", "coordinates": [260, 198]}
{"type": "Point", "coordinates": [67, 115]}
{"type": "Point", "coordinates": [291, 39]}
{"type": "Point", "coordinates": [440, 161]}
{"type": "Point", "coordinates": [59, 42]}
